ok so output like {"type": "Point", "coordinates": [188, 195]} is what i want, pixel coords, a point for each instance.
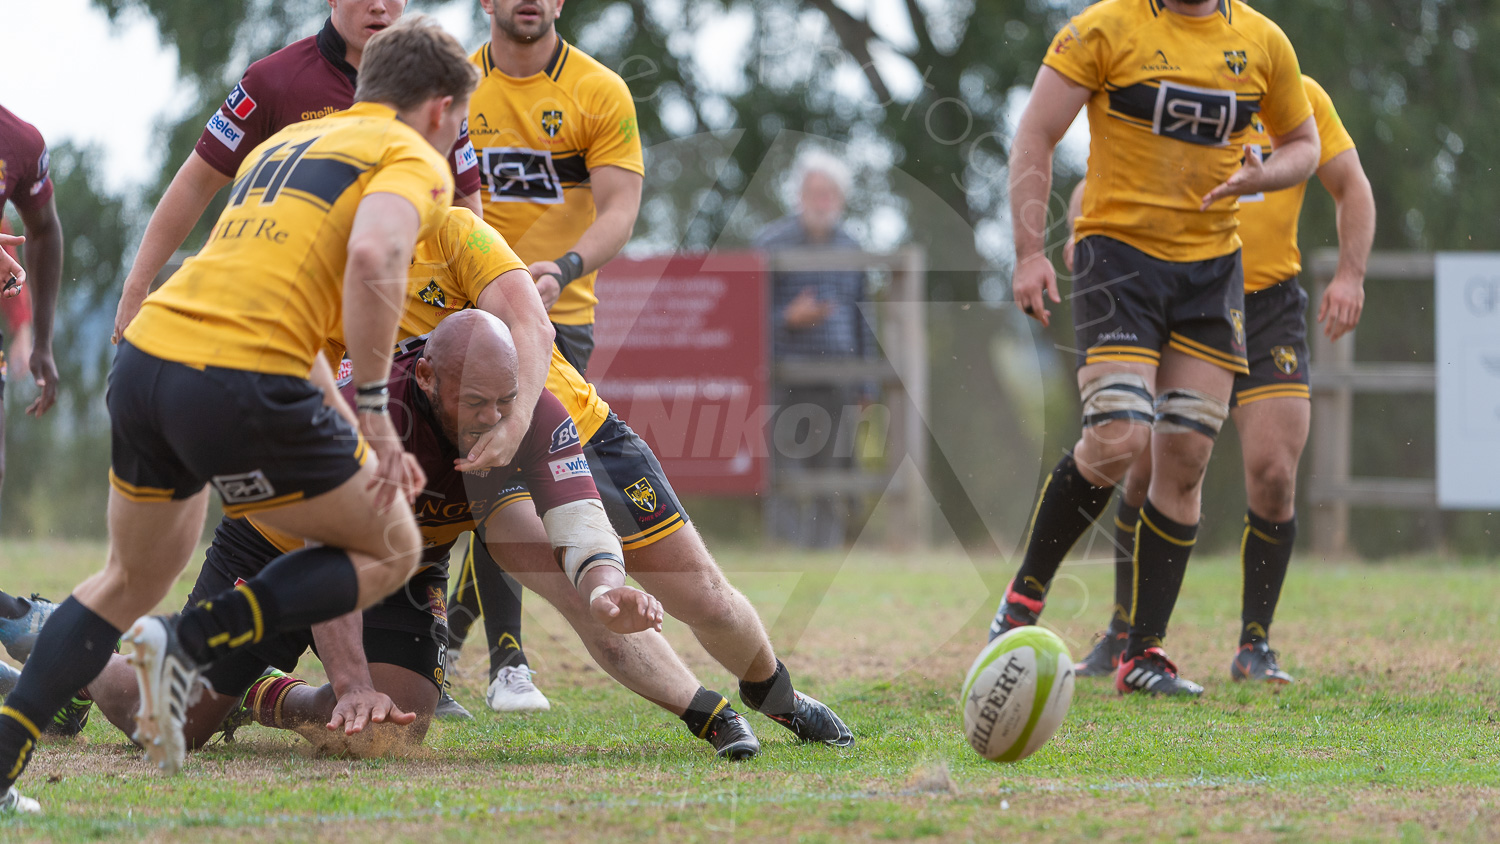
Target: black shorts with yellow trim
{"type": "Point", "coordinates": [408, 629]}
{"type": "Point", "coordinates": [1128, 306]}
{"type": "Point", "coordinates": [262, 440]}
{"type": "Point", "coordinates": [1276, 336]}
{"type": "Point", "coordinates": [642, 506]}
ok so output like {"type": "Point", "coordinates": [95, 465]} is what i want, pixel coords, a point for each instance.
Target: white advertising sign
{"type": "Point", "coordinates": [1468, 380]}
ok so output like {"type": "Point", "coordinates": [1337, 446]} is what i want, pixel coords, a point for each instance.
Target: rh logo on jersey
{"type": "Point", "coordinates": [244, 488]}
{"type": "Point", "coordinates": [564, 436]}
{"type": "Point", "coordinates": [515, 174]}
{"type": "Point", "coordinates": [239, 103]}
{"type": "Point", "coordinates": [1236, 60]}
{"type": "Point", "coordinates": [570, 467]}
{"type": "Point", "coordinates": [552, 122]}
{"type": "Point", "coordinates": [1204, 116]}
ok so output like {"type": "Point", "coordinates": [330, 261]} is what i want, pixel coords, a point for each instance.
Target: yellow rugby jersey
{"type": "Point", "coordinates": [1173, 97]}
{"type": "Point", "coordinates": [267, 289]}
{"type": "Point", "coordinates": [537, 138]}
{"type": "Point", "coordinates": [449, 270]}
{"type": "Point", "coordinates": [1268, 222]}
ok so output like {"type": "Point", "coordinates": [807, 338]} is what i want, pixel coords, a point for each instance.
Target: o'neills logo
{"type": "Point", "coordinates": [1012, 674]}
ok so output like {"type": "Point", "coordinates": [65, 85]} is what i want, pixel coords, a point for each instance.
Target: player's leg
{"type": "Point", "coordinates": [668, 557]}
{"type": "Point", "coordinates": [1273, 433]}
{"type": "Point", "coordinates": [463, 607]}
{"type": "Point", "coordinates": [1117, 329]}
{"type": "Point", "coordinates": [1104, 657]}
{"type": "Point", "coordinates": [642, 662]}
{"type": "Point", "coordinates": [1191, 409]}
{"type": "Point", "coordinates": [285, 702]}
{"type": "Point", "coordinates": [511, 688]}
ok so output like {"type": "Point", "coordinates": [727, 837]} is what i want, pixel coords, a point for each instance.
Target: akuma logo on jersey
{"type": "Point", "coordinates": [552, 122]}
{"type": "Point", "coordinates": [1237, 61]}
{"type": "Point", "coordinates": [239, 103]}
{"type": "Point", "coordinates": [642, 495]}
{"type": "Point", "coordinates": [564, 436]}
{"type": "Point", "coordinates": [570, 467]}
{"type": "Point", "coordinates": [1204, 116]}
{"type": "Point", "coordinates": [1159, 62]}
{"type": "Point", "coordinates": [1285, 358]}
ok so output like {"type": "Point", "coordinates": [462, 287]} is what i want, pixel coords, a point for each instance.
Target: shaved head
{"type": "Point", "coordinates": [468, 371]}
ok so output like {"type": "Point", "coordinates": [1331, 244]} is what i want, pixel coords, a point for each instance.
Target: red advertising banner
{"type": "Point", "coordinates": [682, 355]}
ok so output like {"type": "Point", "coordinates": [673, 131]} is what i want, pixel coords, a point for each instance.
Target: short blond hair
{"type": "Point", "coordinates": [413, 61]}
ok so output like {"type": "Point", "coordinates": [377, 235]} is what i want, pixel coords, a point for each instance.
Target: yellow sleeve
{"type": "Point", "coordinates": [478, 255]}
{"type": "Point", "coordinates": [614, 138]}
{"type": "Point", "coordinates": [409, 172]}
{"type": "Point", "coordinates": [1331, 132]}
{"type": "Point", "coordinates": [1081, 53]}
{"type": "Point", "coordinates": [1285, 106]}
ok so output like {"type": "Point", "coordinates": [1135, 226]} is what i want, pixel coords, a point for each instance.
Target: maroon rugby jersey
{"type": "Point", "coordinates": [550, 462]}
{"type": "Point", "coordinates": [23, 164]}
{"type": "Point", "coordinates": [304, 81]}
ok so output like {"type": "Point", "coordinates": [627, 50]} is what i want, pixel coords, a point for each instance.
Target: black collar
{"type": "Point", "coordinates": [332, 45]}
{"type": "Point", "coordinates": [552, 65]}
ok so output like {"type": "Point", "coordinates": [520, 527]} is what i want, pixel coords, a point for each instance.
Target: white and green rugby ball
{"type": "Point", "coordinates": [1017, 694]}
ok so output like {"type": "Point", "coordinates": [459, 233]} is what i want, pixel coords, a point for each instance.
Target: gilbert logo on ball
{"type": "Point", "coordinates": [1017, 694]}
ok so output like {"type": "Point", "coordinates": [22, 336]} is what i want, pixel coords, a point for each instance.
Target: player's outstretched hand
{"type": "Point", "coordinates": [546, 274]}
{"type": "Point", "coordinates": [1250, 178]}
{"type": "Point", "coordinates": [44, 370]}
{"type": "Point", "coordinates": [1035, 277]}
{"type": "Point", "coordinates": [1342, 304]}
{"type": "Point", "coordinates": [359, 708]}
{"type": "Point", "coordinates": [626, 610]}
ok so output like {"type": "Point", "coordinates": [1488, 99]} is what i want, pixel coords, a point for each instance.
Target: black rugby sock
{"type": "Point", "coordinates": [294, 592]}
{"type": "Point", "coordinates": [12, 607]}
{"type": "Point", "coordinates": [1162, 550]}
{"type": "Point", "coordinates": [704, 708]}
{"type": "Point", "coordinates": [1069, 504]}
{"type": "Point", "coordinates": [499, 597]}
{"type": "Point", "coordinates": [1265, 553]}
{"type": "Point", "coordinates": [72, 649]}
{"type": "Point", "coordinates": [463, 604]}
{"type": "Point", "coordinates": [771, 696]}
{"type": "Point", "coordinates": [1126, 519]}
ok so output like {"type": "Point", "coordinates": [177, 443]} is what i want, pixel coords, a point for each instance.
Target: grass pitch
{"type": "Point", "coordinates": [1388, 735]}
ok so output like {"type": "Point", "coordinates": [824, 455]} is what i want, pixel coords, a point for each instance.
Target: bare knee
{"type": "Point", "coordinates": [1272, 489]}
{"type": "Point", "coordinates": [1106, 452]}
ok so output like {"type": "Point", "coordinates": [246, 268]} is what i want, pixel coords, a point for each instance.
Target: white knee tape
{"type": "Point", "coordinates": [1119, 395]}
{"type": "Point", "coordinates": [582, 537]}
{"type": "Point", "coordinates": [1189, 411]}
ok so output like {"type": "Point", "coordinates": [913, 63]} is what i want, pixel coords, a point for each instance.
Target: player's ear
{"type": "Point", "coordinates": [424, 374]}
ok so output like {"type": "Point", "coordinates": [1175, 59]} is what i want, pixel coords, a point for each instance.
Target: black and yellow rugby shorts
{"type": "Point", "coordinates": [640, 502]}
{"type": "Point", "coordinates": [408, 629]}
{"type": "Point", "coordinates": [263, 441]}
{"type": "Point", "coordinates": [1128, 306]}
{"type": "Point", "coordinates": [1276, 337]}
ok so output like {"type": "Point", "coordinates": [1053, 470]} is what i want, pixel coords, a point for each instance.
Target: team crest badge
{"type": "Point", "coordinates": [642, 494]}
{"type": "Point", "coordinates": [1237, 319]}
{"type": "Point", "coordinates": [1236, 60]}
{"type": "Point", "coordinates": [1285, 358]}
{"type": "Point", "coordinates": [433, 295]}
{"type": "Point", "coordinates": [437, 603]}
{"type": "Point", "coordinates": [552, 122]}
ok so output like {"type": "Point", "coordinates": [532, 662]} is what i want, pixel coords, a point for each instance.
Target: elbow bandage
{"type": "Point", "coordinates": [582, 538]}
{"type": "Point", "coordinates": [1185, 411]}
{"type": "Point", "coordinates": [1120, 395]}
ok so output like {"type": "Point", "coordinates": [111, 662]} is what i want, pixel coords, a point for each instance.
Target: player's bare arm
{"type": "Point", "coordinates": [1075, 210]}
{"type": "Point", "coordinates": [380, 246]}
{"type": "Point", "coordinates": [1294, 162]}
{"type": "Point", "coordinates": [1055, 101]}
{"type": "Point", "coordinates": [617, 200]}
{"type": "Point", "coordinates": [1354, 201]}
{"type": "Point", "coordinates": [513, 298]}
{"type": "Point", "coordinates": [44, 252]}
{"type": "Point", "coordinates": [472, 201]}
{"type": "Point", "coordinates": [342, 650]}
{"type": "Point", "coordinates": [187, 197]}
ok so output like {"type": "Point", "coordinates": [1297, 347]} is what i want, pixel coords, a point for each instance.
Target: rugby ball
{"type": "Point", "coordinates": [1017, 694]}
